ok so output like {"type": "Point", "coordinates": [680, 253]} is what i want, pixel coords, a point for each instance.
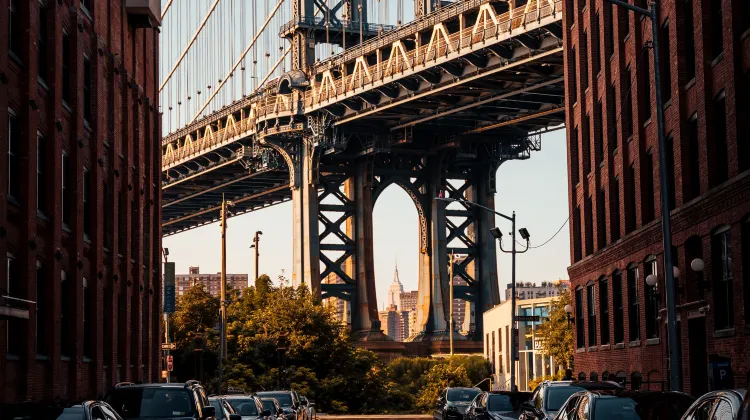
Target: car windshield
{"type": "Point", "coordinates": [285, 399]}
{"type": "Point", "coordinates": [499, 403]}
{"type": "Point", "coordinates": [665, 407]}
{"type": "Point", "coordinates": [462, 394]}
{"type": "Point", "coordinates": [151, 402]}
{"type": "Point", "coordinates": [557, 395]}
{"type": "Point", "coordinates": [269, 405]}
{"type": "Point", "coordinates": [244, 406]}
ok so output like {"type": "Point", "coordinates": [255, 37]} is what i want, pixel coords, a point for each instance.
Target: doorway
{"type": "Point", "coordinates": [698, 356]}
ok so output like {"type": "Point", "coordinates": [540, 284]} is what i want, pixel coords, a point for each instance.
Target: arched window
{"type": "Point", "coordinates": [591, 312]}
{"type": "Point", "coordinates": [621, 378]}
{"type": "Point", "coordinates": [652, 304]}
{"type": "Point", "coordinates": [694, 280]}
{"type": "Point", "coordinates": [604, 310]}
{"type": "Point", "coordinates": [581, 376]}
{"type": "Point", "coordinates": [580, 342]}
{"type": "Point", "coordinates": [654, 381]}
{"type": "Point", "coordinates": [721, 259]}
{"type": "Point", "coordinates": [618, 308]}
{"type": "Point", "coordinates": [746, 259]}
{"type": "Point", "coordinates": [605, 375]}
{"type": "Point", "coordinates": [593, 376]}
{"type": "Point", "coordinates": [634, 306]}
{"type": "Point", "coordinates": [636, 380]}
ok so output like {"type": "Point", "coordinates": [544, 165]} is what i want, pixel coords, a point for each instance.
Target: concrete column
{"type": "Point", "coordinates": [306, 249]}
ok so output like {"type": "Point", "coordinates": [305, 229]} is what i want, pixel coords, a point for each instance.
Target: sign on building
{"type": "Point", "coordinates": [169, 289]}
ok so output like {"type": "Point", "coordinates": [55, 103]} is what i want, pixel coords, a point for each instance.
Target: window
{"type": "Point", "coordinates": [717, 30]}
{"type": "Point", "coordinates": [65, 316]}
{"type": "Point", "coordinates": [122, 223]}
{"type": "Point", "coordinates": [134, 232]}
{"type": "Point", "coordinates": [694, 281]}
{"type": "Point", "coordinates": [595, 49]}
{"type": "Point", "coordinates": [746, 266]}
{"type": "Point", "coordinates": [14, 168]}
{"type": "Point", "coordinates": [604, 310]}
{"type": "Point", "coordinates": [577, 234]}
{"type": "Point", "coordinates": [492, 360]}
{"type": "Point", "coordinates": [634, 307]}
{"type": "Point", "coordinates": [617, 306]}
{"type": "Point", "coordinates": [586, 144]}
{"type": "Point", "coordinates": [652, 305]}
{"type": "Point", "coordinates": [630, 204]}
{"type": "Point", "coordinates": [88, 4]}
{"type": "Point", "coordinates": [591, 310]}
{"type": "Point", "coordinates": [599, 114]}
{"type": "Point", "coordinates": [500, 350]}
{"type": "Point", "coordinates": [745, 18]}
{"type": "Point", "coordinates": [574, 157]}
{"type": "Point", "coordinates": [721, 155]}
{"type": "Point", "coordinates": [579, 319]}
{"type": "Point", "coordinates": [601, 222]}
{"type": "Point", "coordinates": [643, 73]}
{"type": "Point", "coordinates": [42, 306]}
{"type": "Point", "coordinates": [721, 250]}
{"type": "Point", "coordinates": [13, 286]}
{"type": "Point", "coordinates": [585, 61]}
{"type": "Point", "coordinates": [693, 187]}
{"type": "Point", "coordinates": [609, 41]}
{"type": "Point", "coordinates": [87, 83]}
{"type": "Point", "coordinates": [42, 67]}
{"type": "Point", "coordinates": [614, 210]}
{"type": "Point", "coordinates": [86, 203]}
{"type": "Point", "coordinates": [14, 28]}
{"type": "Point", "coordinates": [88, 335]}
{"type": "Point", "coordinates": [66, 68]}
{"type": "Point", "coordinates": [573, 75]}
{"type": "Point", "coordinates": [41, 164]}
{"type": "Point", "coordinates": [624, 22]}
{"type": "Point", "coordinates": [648, 198]}
{"type": "Point", "coordinates": [689, 41]}
{"type": "Point", "coordinates": [507, 347]}
{"type": "Point", "coordinates": [665, 64]}
{"type": "Point", "coordinates": [589, 234]}
{"type": "Point", "coordinates": [107, 214]}
{"type": "Point", "coordinates": [627, 105]}
{"type": "Point", "coordinates": [670, 173]}
{"type": "Point", "coordinates": [65, 195]}
{"type": "Point", "coordinates": [611, 119]}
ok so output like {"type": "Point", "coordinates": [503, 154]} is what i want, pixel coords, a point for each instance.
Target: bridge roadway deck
{"type": "Point", "coordinates": [468, 71]}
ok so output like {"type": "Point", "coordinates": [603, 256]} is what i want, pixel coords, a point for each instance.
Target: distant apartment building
{"type": "Point", "coordinates": [211, 282]}
{"type": "Point", "coordinates": [529, 290]}
{"type": "Point", "coordinates": [343, 307]}
{"type": "Point", "coordinates": [408, 301]}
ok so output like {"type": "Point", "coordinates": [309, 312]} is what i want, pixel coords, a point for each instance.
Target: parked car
{"type": "Point", "coordinates": [163, 401]}
{"type": "Point", "coordinates": [717, 405]}
{"type": "Point", "coordinates": [625, 405]}
{"type": "Point", "coordinates": [289, 401]}
{"type": "Point", "coordinates": [549, 396]}
{"type": "Point", "coordinates": [248, 406]}
{"type": "Point", "coordinates": [87, 410]}
{"type": "Point", "coordinates": [272, 405]}
{"type": "Point", "coordinates": [309, 407]}
{"type": "Point", "coordinates": [500, 405]}
{"type": "Point", "coordinates": [744, 413]}
{"type": "Point", "coordinates": [224, 410]}
{"type": "Point", "coordinates": [453, 403]}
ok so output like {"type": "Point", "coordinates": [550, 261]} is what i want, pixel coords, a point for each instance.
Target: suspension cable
{"type": "Point", "coordinates": [192, 40]}
{"type": "Point", "coordinates": [166, 7]}
{"type": "Point", "coordinates": [237, 63]}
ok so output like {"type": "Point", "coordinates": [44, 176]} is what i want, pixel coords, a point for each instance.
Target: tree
{"type": "Point", "coordinates": [556, 333]}
{"type": "Point", "coordinates": [438, 378]}
{"type": "Point", "coordinates": [196, 315]}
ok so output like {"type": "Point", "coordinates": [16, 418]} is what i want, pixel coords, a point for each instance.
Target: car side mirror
{"type": "Point", "coordinates": [235, 417]}
{"type": "Point", "coordinates": [208, 412]}
{"type": "Point", "coordinates": [266, 413]}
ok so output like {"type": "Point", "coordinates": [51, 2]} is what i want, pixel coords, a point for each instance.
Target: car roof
{"type": "Point", "coordinates": [178, 385]}
{"type": "Point", "coordinates": [237, 396]}
{"type": "Point", "coordinates": [593, 385]}
{"type": "Point", "coordinates": [468, 388]}
{"type": "Point", "coordinates": [274, 392]}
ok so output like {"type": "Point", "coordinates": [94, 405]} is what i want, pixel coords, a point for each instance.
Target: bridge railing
{"type": "Point", "coordinates": [331, 88]}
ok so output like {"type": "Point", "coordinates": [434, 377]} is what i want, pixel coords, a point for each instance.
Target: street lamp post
{"type": "Point", "coordinates": [497, 234]}
{"type": "Point", "coordinates": [223, 309]}
{"type": "Point", "coordinates": [165, 252]}
{"type": "Point", "coordinates": [675, 362]}
{"type": "Point", "coordinates": [256, 246]}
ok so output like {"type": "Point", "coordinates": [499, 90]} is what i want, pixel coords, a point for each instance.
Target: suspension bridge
{"type": "Point", "coordinates": [328, 102]}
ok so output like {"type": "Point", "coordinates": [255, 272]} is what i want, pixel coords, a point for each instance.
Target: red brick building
{"type": "Point", "coordinates": [614, 187]}
{"type": "Point", "coordinates": [79, 199]}
{"type": "Point", "coordinates": [210, 282]}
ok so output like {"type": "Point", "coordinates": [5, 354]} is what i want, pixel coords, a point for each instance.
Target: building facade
{"type": "Point", "coordinates": [342, 307]}
{"type": "Point", "coordinates": [614, 186]}
{"type": "Point", "coordinates": [210, 282]}
{"type": "Point", "coordinates": [498, 341]}
{"type": "Point", "coordinates": [80, 219]}
{"type": "Point", "coordinates": [529, 290]}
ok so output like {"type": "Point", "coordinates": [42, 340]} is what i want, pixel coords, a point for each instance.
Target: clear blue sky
{"type": "Point", "coordinates": [535, 188]}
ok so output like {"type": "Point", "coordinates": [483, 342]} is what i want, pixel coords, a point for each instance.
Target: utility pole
{"type": "Point", "coordinates": [223, 308]}
{"type": "Point", "coordinates": [165, 252]}
{"type": "Point", "coordinates": [450, 284]}
{"type": "Point", "coordinates": [675, 359]}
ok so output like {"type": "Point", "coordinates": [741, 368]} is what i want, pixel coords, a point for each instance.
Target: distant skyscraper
{"type": "Point", "coordinates": [408, 301]}
{"type": "Point", "coordinates": [394, 292]}
{"type": "Point", "coordinates": [342, 306]}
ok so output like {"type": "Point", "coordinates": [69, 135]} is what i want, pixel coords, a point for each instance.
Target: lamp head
{"type": "Point", "coordinates": [676, 272]}
{"type": "Point", "coordinates": [651, 280]}
{"type": "Point", "coordinates": [524, 234]}
{"type": "Point", "coordinates": [697, 265]}
{"type": "Point", "coordinates": [166, 251]}
{"type": "Point", "coordinates": [496, 233]}
{"type": "Point", "coordinates": [569, 308]}
{"type": "Point", "coordinates": [259, 232]}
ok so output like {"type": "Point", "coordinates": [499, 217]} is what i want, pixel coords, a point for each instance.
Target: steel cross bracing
{"type": "Point", "coordinates": [433, 106]}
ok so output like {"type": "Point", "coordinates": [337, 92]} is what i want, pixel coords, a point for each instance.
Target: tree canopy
{"type": "Point", "coordinates": [556, 333]}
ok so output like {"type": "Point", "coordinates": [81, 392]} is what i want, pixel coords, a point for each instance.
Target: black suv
{"type": "Point", "coordinates": [549, 396]}
{"type": "Point", "coordinates": [161, 401]}
{"type": "Point", "coordinates": [294, 409]}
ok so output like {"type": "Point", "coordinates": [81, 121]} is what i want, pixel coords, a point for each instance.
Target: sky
{"type": "Point", "coordinates": [536, 189]}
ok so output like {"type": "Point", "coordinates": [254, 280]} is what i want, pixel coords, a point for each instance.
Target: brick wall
{"type": "Point", "coordinates": [118, 147]}
{"type": "Point", "coordinates": [703, 198]}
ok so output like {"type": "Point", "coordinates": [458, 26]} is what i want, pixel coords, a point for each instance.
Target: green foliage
{"type": "Point", "coordinates": [556, 334]}
{"type": "Point", "coordinates": [536, 381]}
{"type": "Point", "coordinates": [477, 367]}
{"type": "Point", "coordinates": [437, 378]}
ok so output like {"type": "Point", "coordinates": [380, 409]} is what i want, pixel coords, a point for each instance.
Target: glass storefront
{"type": "Point", "coordinates": [532, 363]}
